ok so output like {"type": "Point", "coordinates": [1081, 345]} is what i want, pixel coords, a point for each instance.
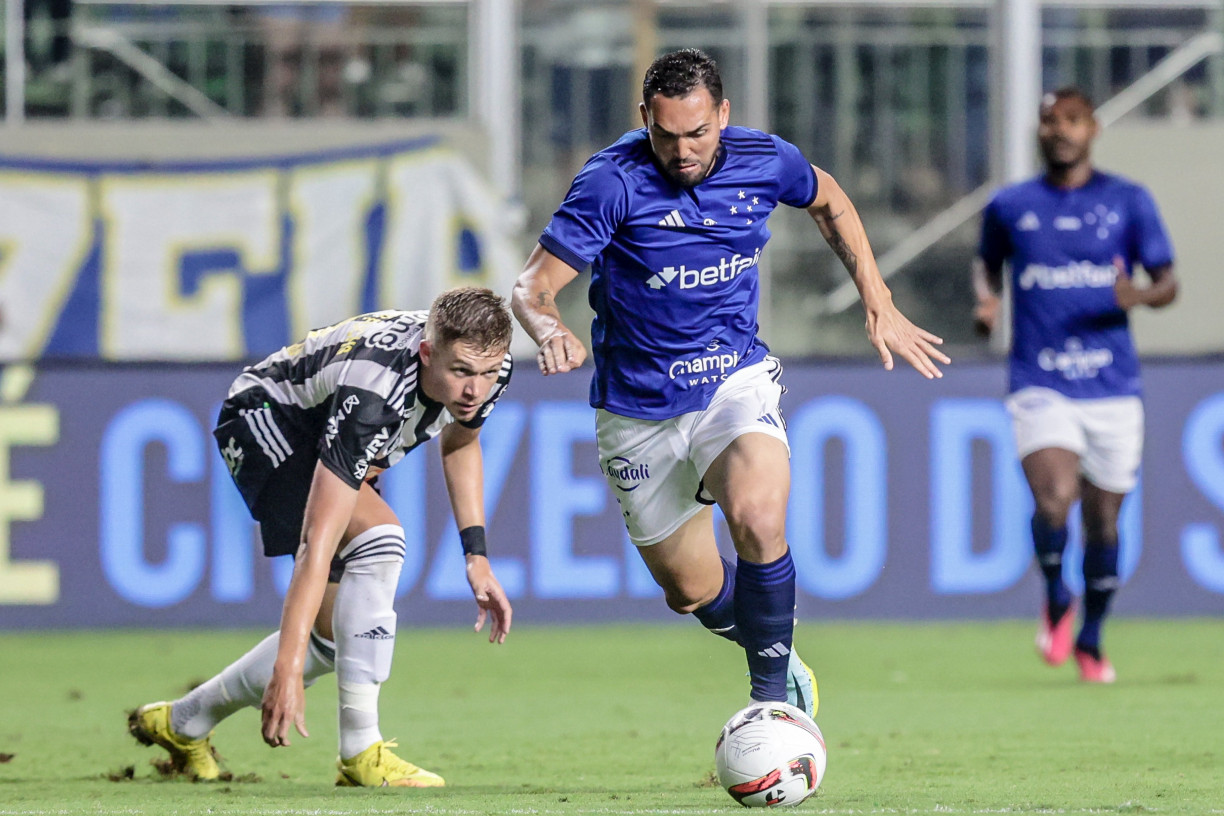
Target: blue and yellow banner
{"type": "Point", "coordinates": [232, 259]}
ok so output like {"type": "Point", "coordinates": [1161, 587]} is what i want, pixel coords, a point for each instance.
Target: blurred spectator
{"type": "Point", "coordinates": [294, 34]}
{"type": "Point", "coordinates": [55, 60]}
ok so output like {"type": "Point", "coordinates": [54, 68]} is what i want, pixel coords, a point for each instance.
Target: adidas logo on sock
{"type": "Point", "coordinates": [377, 633]}
{"type": "Point", "coordinates": [776, 650]}
{"type": "Point", "coordinates": [673, 219]}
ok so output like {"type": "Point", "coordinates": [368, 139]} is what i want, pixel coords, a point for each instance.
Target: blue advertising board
{"type": "Point", "coordinates": [906, 502]}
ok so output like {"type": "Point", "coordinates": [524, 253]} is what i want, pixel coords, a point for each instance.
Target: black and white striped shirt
{"type": "Point", "coordinates": [351, 390]}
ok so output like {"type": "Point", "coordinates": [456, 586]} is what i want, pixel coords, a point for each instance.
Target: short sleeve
{"type": "Point", "coordinates": [995, 246]}
{"type": "Point", "coordinates": [499, 388]}
{"type": "Point", "coordinates": [796, 178]}
{"type": "Point", "coordinates": [1149, 240]}
{"type": "Point", "coordinates": [359, 429]}
{"type": "Point", "coordinates": [597, 203]}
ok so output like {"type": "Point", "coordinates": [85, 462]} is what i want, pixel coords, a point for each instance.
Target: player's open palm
{"type": "Point", "coordinates": [284, 705]}
{"type": "Point", "coordinates": [491, 600]}
{"type": "Point", "coordinates": [892, 333]}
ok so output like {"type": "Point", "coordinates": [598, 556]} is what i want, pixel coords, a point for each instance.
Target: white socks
{"type": "Point", "coordinates": [364, 624]}
{"type": "Point", "coordinates": [242, 684]}
{"type": "Point", "coordinates": [363, 621]}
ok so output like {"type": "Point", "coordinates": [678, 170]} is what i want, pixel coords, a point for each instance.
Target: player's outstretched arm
{"type": "Point", "coordinates": [328, 510]}
{"type": "Point", "coordinates": [534, 304]}
{"type": "Point", "coordinates": [463, 469]}
{"type": "Point", "coordinates": [889, 330]}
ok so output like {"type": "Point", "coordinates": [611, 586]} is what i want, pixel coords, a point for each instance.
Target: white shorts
{"type": "Point", "coordinates": [1106, 434]}
{"type": "Point", "coordinates": [655, 468]}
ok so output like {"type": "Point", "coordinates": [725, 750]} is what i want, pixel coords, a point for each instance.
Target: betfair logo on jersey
{"type": "Point", "coordinates": [726, 269]}
{"type": "Point", "coordinates": [1081, 275]}
{"type": "Point", "coordinates": [1075, 362]}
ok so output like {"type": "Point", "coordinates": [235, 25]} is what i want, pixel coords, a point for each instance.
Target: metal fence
{"type": "Point", "coordinates": [893, 98]}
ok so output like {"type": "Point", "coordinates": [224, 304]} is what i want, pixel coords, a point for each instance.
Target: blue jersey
{"type": "Point", "coordinates": [674, 269]}
{"type": "Point", "coordinates": [1068, 332]}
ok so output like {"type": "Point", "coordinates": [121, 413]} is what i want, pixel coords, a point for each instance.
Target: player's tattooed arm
{"type": "Point", "coordinates": [887, 329]}
{"type": "Point", "coordinates": [827, 223]}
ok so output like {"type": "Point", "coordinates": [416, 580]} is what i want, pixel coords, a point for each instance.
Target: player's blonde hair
{"type": "Point", "coordinates": [472, 314]}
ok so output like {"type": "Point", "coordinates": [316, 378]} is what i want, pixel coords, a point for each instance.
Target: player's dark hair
{"type": "Point", "coordinates": [1066, 92]}
{"type": "Point", "coordinates": [679, 73]}
{"type": "Point", "coordinates": [474, 315]}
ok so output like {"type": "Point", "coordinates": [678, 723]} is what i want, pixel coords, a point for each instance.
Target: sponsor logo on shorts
{"type": "Point", "coordinates": [628, 476]}
{"type": "Point", "coordinates": [333, 422]}
{"type": "Point", "coordinates": [1075, 362]}
{"type": "Point", "coordinates": [232, 454]}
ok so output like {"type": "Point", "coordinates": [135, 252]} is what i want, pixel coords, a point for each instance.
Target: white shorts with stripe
{"type": "Point", "coordinates": [655, 468]}
{"type": "Point", "coordinates": [1106, 434]}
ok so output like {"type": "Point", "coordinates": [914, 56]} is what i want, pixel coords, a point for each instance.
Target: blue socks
{"type": "Point", "coordinates": [719, 614]}
{"type": "Point", "coordinates": [1100, 581]}
{"type": "Point", "coordinates": [1049, 543]}
{"type": "Point", "coordinates": [765, 619]}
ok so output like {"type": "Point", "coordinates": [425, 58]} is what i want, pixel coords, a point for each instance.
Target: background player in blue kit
{"type": "Point", "coordinates": [672, 220]}
{"type": "Point", "coordinates": [1072, 237]}
{"type": "Point", "coordinates": [304, 432]}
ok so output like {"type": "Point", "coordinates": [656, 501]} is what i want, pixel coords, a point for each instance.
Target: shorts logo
{"type": "Point", "coordinates": [628, 476]}
{"type": "Point", "coordinates": [232, 454]}
{"type": "Point", "coordinates": [1075, 362]}
{"type": "Point", "coordinates": [333, 422]}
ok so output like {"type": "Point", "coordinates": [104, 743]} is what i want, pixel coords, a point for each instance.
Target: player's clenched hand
{"type": "Point", "coordinates": [892, 332]}
{"type": "Point", "coordinates": [986, 315]}
{"type": "Point", "coordinates": [560, 352]}
{"type": "Point", "coordinates": [490, 598]}
{"type": "Point", "coordinates": [1124, 288]}
{"type": "Point", "coordinates": [284, 704]}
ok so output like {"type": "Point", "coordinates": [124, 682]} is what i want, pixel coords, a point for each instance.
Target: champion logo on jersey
{"type": "Point", "coordinates": [673, 219]}
{"type": "Point", "coordinates": [1028, 222]}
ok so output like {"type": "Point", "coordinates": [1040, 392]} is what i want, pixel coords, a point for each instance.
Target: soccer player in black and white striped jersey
{"type": "Point", "coordinates": [304, 433]}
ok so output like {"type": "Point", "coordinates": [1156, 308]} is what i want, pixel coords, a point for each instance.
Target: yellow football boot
{"type": "Point", "coordinates": [378, 767]}
{"type": "Point", "coordinates": [150, 725]}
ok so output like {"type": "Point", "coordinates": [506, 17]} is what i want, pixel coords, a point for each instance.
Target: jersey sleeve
{"type": "Point", "coordinates": [360, 426]}
{"type": "Point", "coordinates": [597, 203]}
{"type": "Point", "coordinates": [995, 246]}
{"type": "Point", "coordinates": [1149, 241]}
{"type": "Point", "coordinates": [499, 388]}
{"type": "Point", "coordinates": [796, 178]}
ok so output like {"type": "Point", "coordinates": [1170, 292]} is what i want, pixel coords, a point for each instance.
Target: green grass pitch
{"type": "Point", "coordinates": [919, 718]}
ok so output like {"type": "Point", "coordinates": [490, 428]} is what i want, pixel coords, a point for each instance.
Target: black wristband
{"type": "Point", "coordinates": [473, 540]}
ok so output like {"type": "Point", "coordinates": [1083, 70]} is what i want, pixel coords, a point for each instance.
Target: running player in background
{"type": "Point", "coordinates": [1072, 238]}
{"type": "Point", "coordinates": [672, 220]}
{"type": "Point", "coordinates": [304, 433]}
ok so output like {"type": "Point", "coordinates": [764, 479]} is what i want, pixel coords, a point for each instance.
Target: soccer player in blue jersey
{"type": "Point", "coordinates": [1072, 238]}
{"type": "Point", "coordinates": [672, 220]}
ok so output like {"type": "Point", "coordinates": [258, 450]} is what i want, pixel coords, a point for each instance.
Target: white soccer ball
{"type": "Point", "coordinates": [769, 755]}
